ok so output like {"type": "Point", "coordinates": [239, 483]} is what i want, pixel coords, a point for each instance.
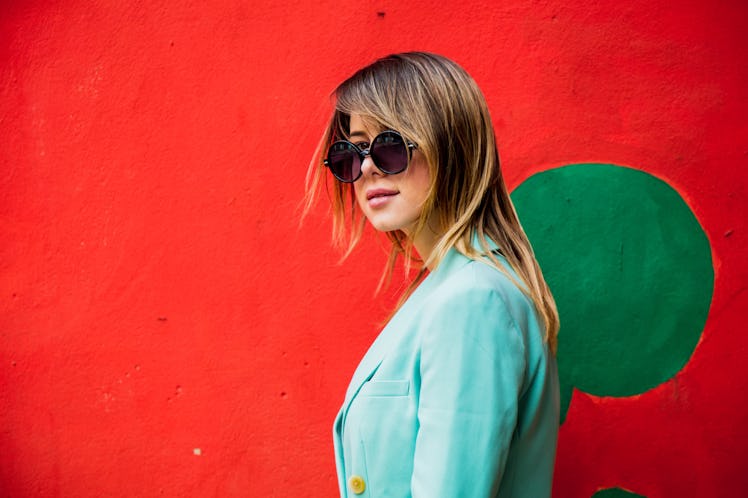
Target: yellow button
{"type": "Point", "coordinates": [357, 484]}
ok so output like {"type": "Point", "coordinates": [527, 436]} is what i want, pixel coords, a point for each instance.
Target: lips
{"type": "Point", "coordinates": [379, 192]}
{"type": "Point", "coordinates": [379, 197]}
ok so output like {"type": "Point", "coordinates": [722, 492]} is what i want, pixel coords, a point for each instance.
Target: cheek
{"type": "Point", "coordinates": [360, 193]}
{"type": "Point", "coordinates": [420, 180]}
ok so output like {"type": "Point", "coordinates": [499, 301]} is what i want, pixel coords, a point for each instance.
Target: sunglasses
{"type": "Point", "coordinates": [389, 151]}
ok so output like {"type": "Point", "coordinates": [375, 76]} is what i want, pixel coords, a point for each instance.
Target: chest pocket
{"type": "Point", "coordinates": [385, 388]}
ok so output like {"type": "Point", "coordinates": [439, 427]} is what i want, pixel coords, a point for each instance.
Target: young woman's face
{"type": "Point", "coordinates": [389, 202]}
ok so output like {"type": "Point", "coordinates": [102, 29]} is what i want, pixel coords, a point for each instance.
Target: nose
{"type": "Point", "coordinates": [368, 168]}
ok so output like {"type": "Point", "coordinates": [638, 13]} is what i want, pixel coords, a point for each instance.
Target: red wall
{"type": "Point", "coordinates": [167, 329]}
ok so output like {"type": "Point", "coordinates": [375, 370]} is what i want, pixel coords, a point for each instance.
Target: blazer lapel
{"type": "Point", "coordinates": [373, 357]}
{"type": "Point", "coordinates": [376, 353]}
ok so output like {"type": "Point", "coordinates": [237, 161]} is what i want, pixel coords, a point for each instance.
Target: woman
{"type": "Point", "coordinates": [458, 396]}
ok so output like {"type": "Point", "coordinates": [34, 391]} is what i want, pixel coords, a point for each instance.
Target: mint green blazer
{"type": "Point", "coordinates": [458, 397]}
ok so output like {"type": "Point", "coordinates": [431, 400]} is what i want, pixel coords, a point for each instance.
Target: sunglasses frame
{"type": "Point", "coordinates": [363, 154]}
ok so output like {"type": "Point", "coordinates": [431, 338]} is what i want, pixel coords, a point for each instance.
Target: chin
{"type": "Point", "coordinates": [384, 227]}
{"type": "Point", "coordinates": [381, 225]}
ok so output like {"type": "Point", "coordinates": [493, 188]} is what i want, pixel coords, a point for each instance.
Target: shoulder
{"type": "Point", "coordinates": [478, 283]}
{"type": "Point", "coordinates": [478, 300]}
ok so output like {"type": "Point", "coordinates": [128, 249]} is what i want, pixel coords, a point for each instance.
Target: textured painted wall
{"type": "Point", "coordinates": [167, 329]}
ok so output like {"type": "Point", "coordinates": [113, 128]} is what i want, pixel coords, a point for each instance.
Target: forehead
{"type": "Point", "coordinates": [363, 126]}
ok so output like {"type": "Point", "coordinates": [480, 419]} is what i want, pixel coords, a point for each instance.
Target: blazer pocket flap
{"type": "Point", "coordinates": [385, 388]}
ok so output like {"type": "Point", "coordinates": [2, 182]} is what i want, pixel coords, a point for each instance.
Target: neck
{"type": "Point", "coordinates": [424, 242]}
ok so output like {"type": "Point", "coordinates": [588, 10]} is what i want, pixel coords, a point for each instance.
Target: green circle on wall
{"type": "Point", "coordinates": [616, 493]}
{"type": "Point", "coordinates": [631, 271]}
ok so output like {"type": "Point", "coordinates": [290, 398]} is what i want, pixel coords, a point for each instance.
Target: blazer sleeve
{"type": "Point", "coordinates": [472, 369]}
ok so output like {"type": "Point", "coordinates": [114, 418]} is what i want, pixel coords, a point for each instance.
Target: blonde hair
{"type": "Point", "coordinates": [433, 102]}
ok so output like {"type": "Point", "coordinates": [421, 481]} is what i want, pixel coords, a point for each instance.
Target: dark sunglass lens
{"type": "Point", "coordinates": [389, 152]}
{"type": "Point", "coordinates": [344, 161]}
